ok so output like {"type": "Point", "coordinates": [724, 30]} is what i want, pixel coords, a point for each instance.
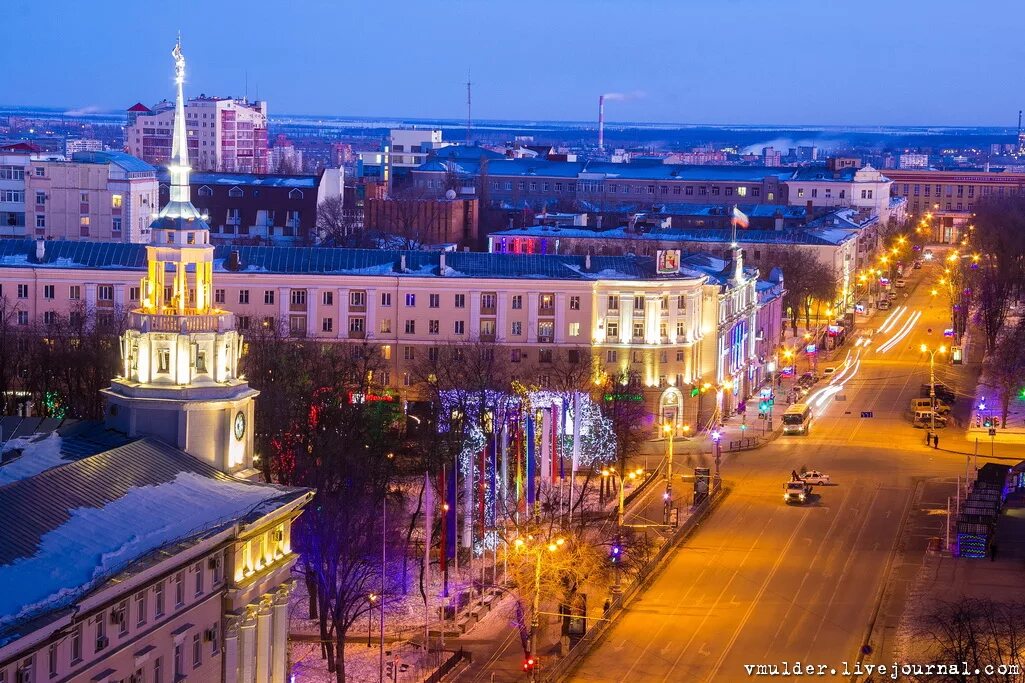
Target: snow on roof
{"type": "Point", "coordinates": [39, 452]}
{"type": "Point", "coordinates": [96, 541]}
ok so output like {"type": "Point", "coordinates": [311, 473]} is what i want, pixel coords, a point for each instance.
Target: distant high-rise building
{"type": "Point", "coordinates": [771, 157]}
{"type": "Point", "coordinates": [82, 145]}
{"type": "Point", "coordinates": [224, 134]}
{"type": "Point", "coordinates": [284, 157]}
{"type": "Point", "coordinates": [913, 161]}
{"type": "Point", "coordinates": [402, 151]}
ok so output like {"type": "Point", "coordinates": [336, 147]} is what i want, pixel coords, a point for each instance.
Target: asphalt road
{"type": "Point", "coordinates": [764, 582]}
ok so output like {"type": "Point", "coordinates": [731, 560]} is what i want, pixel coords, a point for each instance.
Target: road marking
{"type": "Point", "coordinates": [754, 603]}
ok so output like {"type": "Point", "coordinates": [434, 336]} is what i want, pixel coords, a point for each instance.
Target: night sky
{"type": "Point", "coordinates": [801, 62]}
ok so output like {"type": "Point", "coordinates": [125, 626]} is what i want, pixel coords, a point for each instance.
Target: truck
{"type": "Point", "coordinates": [796, 491]}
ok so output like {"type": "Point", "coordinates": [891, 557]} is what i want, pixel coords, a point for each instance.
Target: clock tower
{"type": "Point", "coordinates": [179, 379]}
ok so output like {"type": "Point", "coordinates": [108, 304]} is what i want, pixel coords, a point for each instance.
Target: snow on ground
{"type": "Point", "coordinates": [39, 453]}
{"type": "Point", "coordinates": [97, 542]}
{"type": "Point", "coordinates": [362, 663]}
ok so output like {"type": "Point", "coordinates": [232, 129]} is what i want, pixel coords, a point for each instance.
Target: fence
{"type": "Point", "coordinates": [446, 666]}
{"type": "Point", "coordinates": [562, 668]}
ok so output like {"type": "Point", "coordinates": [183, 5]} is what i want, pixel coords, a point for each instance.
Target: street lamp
{"type": "Point", "coordinates": [717, 439]}
{"type": "Point", "coordinates": [667, 497]}
{"type": "Point", "coordinates": [932, 382]}
{"type": "Point", "coordinates": [370, 616]}
{"type": "Point", "coordinates": [552, 546]}
{"type": "Point", "coordinates": [620, 519]}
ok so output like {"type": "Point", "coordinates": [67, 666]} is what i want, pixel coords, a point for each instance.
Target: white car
{"type": "Point", "coordinates": [815, 477]}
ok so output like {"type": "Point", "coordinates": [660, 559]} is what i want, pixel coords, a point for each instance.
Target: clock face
{"type": "Point", "coordinates": [240, 425]}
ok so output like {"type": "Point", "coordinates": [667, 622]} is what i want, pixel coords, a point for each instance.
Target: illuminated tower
{"type": "Point", "coordinates": [179, 379]}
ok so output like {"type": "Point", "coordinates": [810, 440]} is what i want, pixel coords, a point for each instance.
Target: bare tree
{"type": "Point", "coordinates": [1005, 369]}
{"type": "Point", "coordinates": [807, 279]}
{"type": "Point", "coordinates": [336, 226]}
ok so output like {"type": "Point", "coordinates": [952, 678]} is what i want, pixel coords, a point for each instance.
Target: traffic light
{"type": "Point", "coordinates": [615, 553]}
{"type": "Point", "coordinates": [695, 391]}
{"type": "Point", "coordinates": [763, 407]}
{"type": "Point", "coordinates": [528, 664]}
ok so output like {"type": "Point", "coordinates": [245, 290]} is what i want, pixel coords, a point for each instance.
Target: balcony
{"type": "Point", "coordinates": [172, 322]}
{"type": "Point", "coordinates": [357, 334]}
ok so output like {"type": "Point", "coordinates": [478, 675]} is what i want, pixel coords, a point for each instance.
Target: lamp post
{"type": "Point", "coordinates": [667, 497]}
{"type": "Point", "coordinates": [370, 617]}
{"type": "Point", "coordinates": [551, 547]}
{"type": "Point", "coordinates": [932, 382]}
{"type": "Point", "coordinates": [617, 587]}
{"type": "Point", "coordinates": [717, 439]}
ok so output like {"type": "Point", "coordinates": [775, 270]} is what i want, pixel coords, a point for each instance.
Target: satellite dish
{"type": "Point", "coordinates": [450, 194]}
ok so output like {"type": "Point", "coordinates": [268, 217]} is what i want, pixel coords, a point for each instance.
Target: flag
{"type": "Point", "coordinates": [738, 217]}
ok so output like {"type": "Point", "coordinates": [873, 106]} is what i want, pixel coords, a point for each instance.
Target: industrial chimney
{"type": "Point", "coordinates": [601, 123]}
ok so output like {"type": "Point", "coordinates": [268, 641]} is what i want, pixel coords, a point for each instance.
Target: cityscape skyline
{"type": "Point", "coordinates": [689, 89]}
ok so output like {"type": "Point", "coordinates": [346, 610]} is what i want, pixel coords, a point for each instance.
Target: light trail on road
{"type": "Point", "coordinates": [837, 383]}
{"type": "Point", "coordinates": [900, 334]}
{"type": "Point", "coordinates": [891, 319]}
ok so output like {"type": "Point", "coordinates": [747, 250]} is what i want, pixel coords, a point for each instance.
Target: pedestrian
{"type": "Point", "coordinates": [608, 604]}
{"type": "Point", "coordinates": [793, 475]}
{"type": "Point", "coordinates": [993, 552]}
{"type": "Point", "coordinates": [935, 440]}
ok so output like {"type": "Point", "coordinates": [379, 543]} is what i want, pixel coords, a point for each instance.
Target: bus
{"type": "Point", "coordinates": [797, 419]}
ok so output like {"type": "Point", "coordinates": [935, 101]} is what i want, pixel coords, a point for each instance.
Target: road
{"type": "Point", "coordinates": [763, 582]}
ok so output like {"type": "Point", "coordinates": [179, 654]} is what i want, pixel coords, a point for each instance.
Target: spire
{"type": "Point", "coordinates": [179, 212]}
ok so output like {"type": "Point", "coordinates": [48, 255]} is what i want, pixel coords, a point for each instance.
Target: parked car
{"type": "Point", "coordinates": [883, 304]}
{"type": "Point", "coordinates": [926, 404]}
{"type": "Point", "coordinates": [828, 371]}
{"type": "Point", "coordinates": [924, 419]}
{"type": "Point", "coordinates": [891, 295]}
{"type": "Point", "coordinates": [815, 477]}
{"type": "Point", "coordinates": [943, 392]}
{"type": "Point", "coordinates": [795, 491]}
{"type": "Point", "coordinates": [918, 264]}
{"type": "Point", "coordinates": [900, 284]}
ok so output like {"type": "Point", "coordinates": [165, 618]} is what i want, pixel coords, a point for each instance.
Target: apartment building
{"type": "Point", "coordinates": [402, 151]}
{"type": "Point", "coordinates": [224, 134]}
{"type": "Point", "coordinates": [108, 196]}
{"type": "Point", "coordinates": [860, 188]}
{"type": "Point", "coordinates": [948, 197]}
{"type": "Point", "coordinates": [13, 161]}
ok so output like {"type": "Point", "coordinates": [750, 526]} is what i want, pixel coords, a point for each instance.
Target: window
{"type": "Point", "coordinates": [681, 329]}
{"type": "Point", "coordinates": [487, 300]}
{"type": "Point", "coordinates": [328, 298]}
{"type": "Point", "coordinates": [574, 329]}
{"type": "Point", "coordinates": [433, 327]}
{"type": "Point", "coordinates": [461, 301]}
{"type": "Point", "coordinates": [48, 291]}
{"type": "Point", "coordinates": [120, 615]}
{"type": "Point", "coordinates": [22, 291]}
{"type": "Point", "coordinates": [433, 300]}
{"type": "Point", "coordinates": [517, 301]}
{"type": "Point", "coordinates": [800, 192]}
{"type": "Point", "coordinates": [386, 326]}
{"type": "Point", "coordinates": [327, 324]}
{"type": "Point", "coordinates": [408, 353]}
{"type": "Point", "coordinates": [681, 302]}
{"type": "Point", "coordinates": [611, 355]}
{"type": "Point", "coordinates": [544, 355]}
{"type": "Point", "coordinates": [23, 317]}
{"type": "Point", "coordinates": [215, 638]}
{"type": "Point", "coordinates": [638, 330]}
{"type": "Point", "coordinates": [613, 302]}
{"type": "Point", "coordinates": [218, 295]}
{"type": "Point", "coordinates": [163, 361]}
{"type": "Point", "coordinates": [243, 296]}
{"type": "Point", "coordinates": [663, 331]}
{"type": "Point", "coordinates": [12, 173]}
{"type": "Point", "coordinates": [158, 670]}
{"type": "Point", "coordinates": [638, 302]}
{"type": "Point", "coordinates": [357, 324]}
{"type": "Point", "coordinates": [410, 300]}
{"type": "Point", "coordinates": [50, 317]}
{"type": "Point", "coordinates": [40, 221]}
{"type": "Point", "coordinates": [140, 608]}
{"type": "Point", "coordinates": [298, 297]}
{"type": "Point", "coordinates": [197, 650]}
{"type": "Point", "coordinates": [100, 623]}
{"type": "Point", "coordinates": [487, 328]}
{"type": "Point", "coordinates": [405, 379]}
{"type": "Point", "coordinates": [515, 355]}
{"type": "Point", "coordinates": [358, 298]}
{"type": "Point", "coordinates": [729, 191]}
{"type": "Point", "coordinates": [268, 297]}
{"type": "Point", "coordinates": [51, 660]}
{"type": "Point", "coordinates": [386, 298]}
{"type": "Point", "coordinates": [179, 662]}
{"type": "Point", "coordinates": [179, 589]}
{"type": "Point", "coordinates": [612, 331]}
{"type": "Point", "coordinates": [76, 644]}
{"type": "Point", "coordinates": [574, 303]}
{"type": "Point", "coordinates": [105, 292]}
{"type": "Point", "coordinates": [198, 570]}
{"type": "Point", "coordinates": [410, 327]}
{"type": "Point", "coordinates": [432, 354]}
{"type": "Point", "coordinates": [115, 201]}
{"type": "Point", "coordinates": [459, 327]}
{"type": "Point", "coordinates": [546, 302]}
{"type": "Point", "coordinates": [40, 172]}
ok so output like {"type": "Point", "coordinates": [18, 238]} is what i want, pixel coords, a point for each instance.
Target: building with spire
{"type": "Point", "coordinates": [138, 548]}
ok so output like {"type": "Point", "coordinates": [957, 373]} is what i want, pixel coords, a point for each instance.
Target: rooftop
{"type": "Point", "coordinates": [74, 525]}
{"type": "Point", "coordinates": [246, 179]}
{"type": "Point", "coordinates": [334, 261]}
{"type": "Point", "coordinates": [604, 170]}
{"type": "Point", "coordinates": [802, 236]}
{"type": "Point", "coordinates": [124, 160]}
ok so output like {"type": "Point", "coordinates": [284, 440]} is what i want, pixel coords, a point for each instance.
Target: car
{"type": "Point", "coordinates": [828, 371]}
{"type": "Point", "coordinates": [815, 477]}
{"type": "Point", "coordinates": [918, 265]}
{"type": "Point", "coordinates": [943, 392]}
{"type": "Point", "coordinates": [891, 295]}
{"type": "Point", "coordinates": [807, 379]}
{"type": "Point", "coordinates": [796, 491]}
{"type": "Point", "coordinates": [923, 419]}
{"type": "Point", "coordinates": [884, 304]}
{"type": "Point", "coordinates": [900, 283]}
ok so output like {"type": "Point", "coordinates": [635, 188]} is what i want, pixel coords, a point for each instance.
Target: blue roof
{"type": "Point", "coordinates": [747, 236]}
{"type": "Point", "coordinates": [124, 160]}
{"type": "Point", "coordinates": [609, 171]}
{"type": "Point", "coordinates": [246, 179]}
{"type": "Point", "coordinates": [333, 261]}
{"type": "Point", "coordinates": [751, 210]}
{"type": "Point", "coordinates": [471, 153]}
